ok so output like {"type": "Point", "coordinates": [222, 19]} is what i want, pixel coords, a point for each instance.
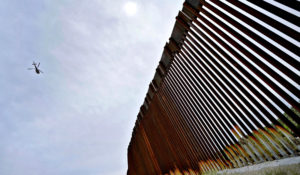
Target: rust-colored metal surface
{"type": "Point", "coordinates": [225, 93]}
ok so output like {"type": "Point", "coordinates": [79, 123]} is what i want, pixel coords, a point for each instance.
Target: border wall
{"type": "Point", "coordinates": [225, 93]}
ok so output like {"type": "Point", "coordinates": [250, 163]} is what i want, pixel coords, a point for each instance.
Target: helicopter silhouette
{"type": "Point", "coordinates": [36, 68]}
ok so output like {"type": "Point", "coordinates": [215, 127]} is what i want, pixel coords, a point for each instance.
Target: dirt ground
{"type": "Point", "coordinates": [281, 170]}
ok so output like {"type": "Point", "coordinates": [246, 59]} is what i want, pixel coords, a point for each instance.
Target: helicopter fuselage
{"type": "Point", "coordinates": [36, 69]}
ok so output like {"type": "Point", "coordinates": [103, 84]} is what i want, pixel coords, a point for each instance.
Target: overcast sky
{"type": "Point", "coordinates": [98, 58]}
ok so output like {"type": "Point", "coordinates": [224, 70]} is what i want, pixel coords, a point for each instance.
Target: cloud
{"type": "Point", "coordinates": [77, 117]}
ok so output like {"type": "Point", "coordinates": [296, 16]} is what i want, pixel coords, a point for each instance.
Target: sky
{"type": "Point", "coordinates": [98, 58]}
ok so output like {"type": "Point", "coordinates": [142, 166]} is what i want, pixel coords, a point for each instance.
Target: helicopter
{"type": "Point", "coordinates": [36, 67]}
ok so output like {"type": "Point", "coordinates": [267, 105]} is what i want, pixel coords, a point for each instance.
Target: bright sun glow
{"type": "Point", "coordinates": [130, 8]}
